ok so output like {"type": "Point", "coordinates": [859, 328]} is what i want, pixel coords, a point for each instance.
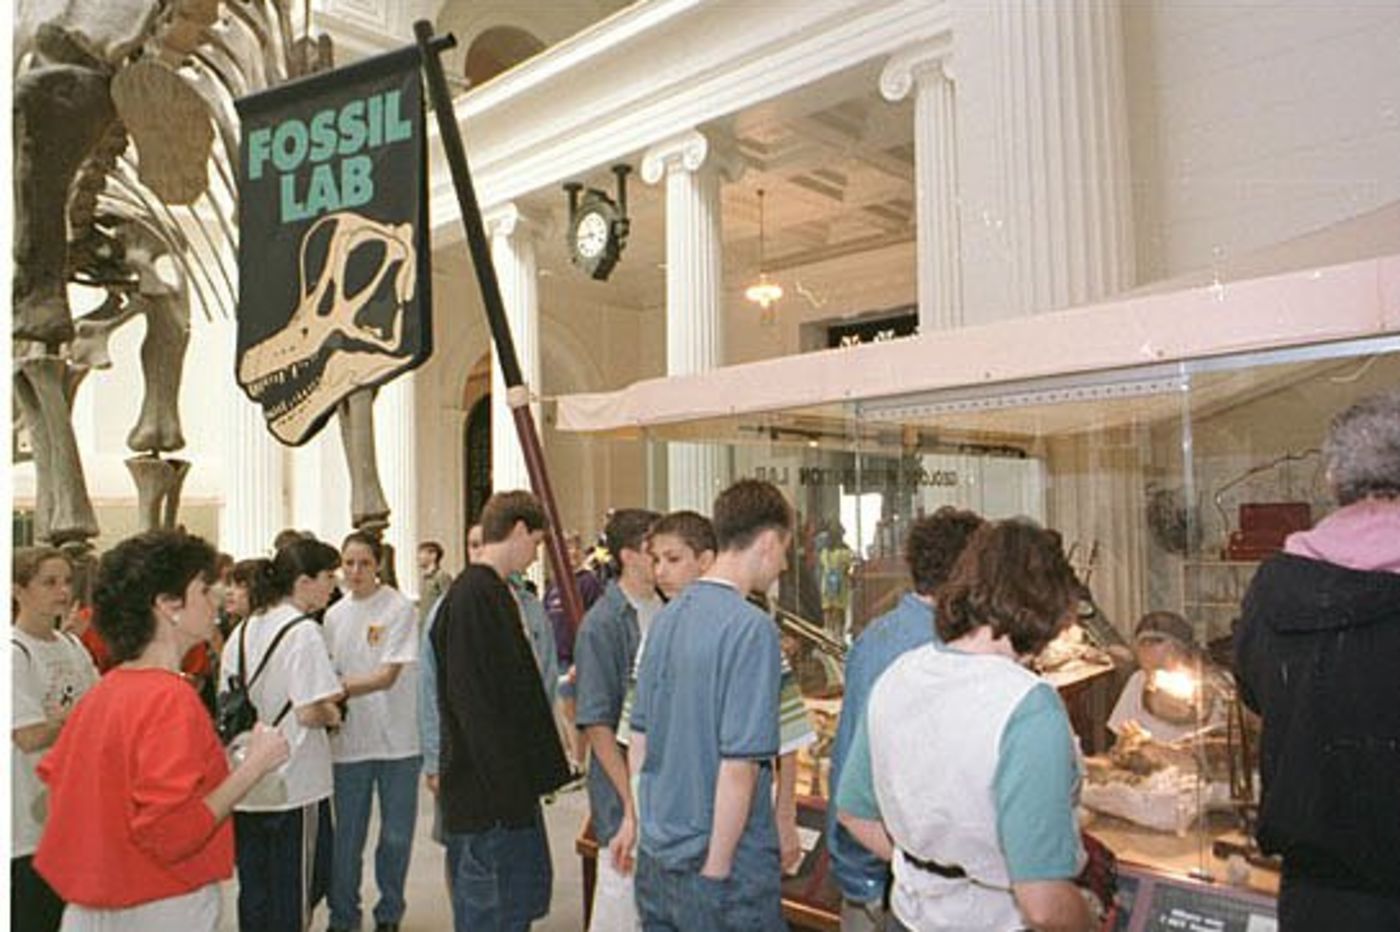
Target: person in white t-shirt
{"type": "Point", "coordinates": [1164, 641]}
{"type": "Point", "coordinates": [283, 828]}
{"type": "Point", "coordinates": [49, 671]}
{"type": "Point", "coordinates": [373, 640]}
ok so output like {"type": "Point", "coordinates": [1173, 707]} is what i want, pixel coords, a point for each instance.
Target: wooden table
{"type": "Point", "coordinates": [1180, 855]}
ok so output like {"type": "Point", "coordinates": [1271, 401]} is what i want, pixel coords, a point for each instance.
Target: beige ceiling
{"type": "Point", "coordinates": [835, 161]}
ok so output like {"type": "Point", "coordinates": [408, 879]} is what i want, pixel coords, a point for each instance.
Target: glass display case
{"type": "Point", "coordinates": [1168, 482]}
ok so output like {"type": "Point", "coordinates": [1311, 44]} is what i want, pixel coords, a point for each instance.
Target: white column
{"type": "Point", "coordinates": [318, 486]}
{"type": "Point", "coordinates": [694, 289]}
{"type": "Point", "coordinates": [513, 234]}
{"type": "Point", "coordinates": [925, 70]}
{"type": "Point", "coordinates": [396, 444]}
{"type": "Point", "coordinates": [1062, 131]}
{"type": "Point", "coordinates": [255, 480]}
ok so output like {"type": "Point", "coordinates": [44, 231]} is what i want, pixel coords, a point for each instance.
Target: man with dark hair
{"type": "Point", "coordinates": [500, 749]}
{"type": "Point", "coordinates": [705, 732]}
{"type": "Point", "coordinates": [504, 510]}
{"type": "Point", "coordinates": [435, 579]}
{"type": "Point", "coordinates": [934, 544]}
{"type": "Point", "coordinates": [606, 647]}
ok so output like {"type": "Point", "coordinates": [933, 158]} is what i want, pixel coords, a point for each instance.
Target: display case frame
{"type": "Point", "coordinates": [1164, 377]}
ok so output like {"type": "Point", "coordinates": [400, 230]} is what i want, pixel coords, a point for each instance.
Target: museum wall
{"type": "Point", "coordinates": [1254, 123]}
{"type": "Point", "coordinates": [587, 345]}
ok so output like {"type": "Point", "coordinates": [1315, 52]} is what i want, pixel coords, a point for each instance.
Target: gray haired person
{"type": "Point", "coordinates": [1315, 656]}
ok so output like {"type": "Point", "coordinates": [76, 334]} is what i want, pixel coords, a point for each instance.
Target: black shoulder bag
{"type": "Point", "coordinates": [236, 710]}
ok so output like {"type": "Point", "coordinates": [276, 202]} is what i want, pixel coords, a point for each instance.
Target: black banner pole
{"type": "Point", "coordinates": [517, 393]}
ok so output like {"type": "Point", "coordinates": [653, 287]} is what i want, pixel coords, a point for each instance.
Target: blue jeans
{"type": "Point", "coordinates": [501, 878]}
{"type": "Point", "coordinates": [284, 862]}
{"type": "Point", "coordinates": [750, 899]}
{"type": "Point", "coordinates": [397, 782]}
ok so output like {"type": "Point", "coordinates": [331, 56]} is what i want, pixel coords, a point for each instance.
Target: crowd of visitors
{"type": "Point", "coordinates": [955, 772]}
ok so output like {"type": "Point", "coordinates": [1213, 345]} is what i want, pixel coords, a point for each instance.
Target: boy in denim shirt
{"type": "Point", "coordinates": [705, 730]}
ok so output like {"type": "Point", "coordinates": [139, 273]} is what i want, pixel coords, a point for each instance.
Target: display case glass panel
{"type": "Point", "coordinates": [1168, 485]}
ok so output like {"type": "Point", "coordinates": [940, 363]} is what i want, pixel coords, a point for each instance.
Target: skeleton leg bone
{"type": "Point", "coordinates": [61, 111]}
{"type": "Point", "coordinates": [369, 511]}
{"type": "Point", "coordinates": [158, 428]}
{"type": "Point", "coordinates": [64, 511]}
{"type": "Point", "coordinates": [158, 485]}
{"type": "Point", "coordinates": [181, 469]}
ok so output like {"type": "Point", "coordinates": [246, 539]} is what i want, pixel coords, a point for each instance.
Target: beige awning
{"type": "Point", "coordinates": [1348, 301]}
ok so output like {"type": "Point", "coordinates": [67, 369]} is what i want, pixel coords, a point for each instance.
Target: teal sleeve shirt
{"type": "Point", "coordinates": [855, 788]}
{"type": "Point", "coordinates": [1036, 787]}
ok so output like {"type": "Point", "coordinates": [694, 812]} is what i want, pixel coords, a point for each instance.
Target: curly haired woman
{"type": "Point", "coordinates": [139, 834]}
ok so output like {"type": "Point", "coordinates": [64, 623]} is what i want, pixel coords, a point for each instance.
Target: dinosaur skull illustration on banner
{"type": "Point", "coordinates": [347, 327]}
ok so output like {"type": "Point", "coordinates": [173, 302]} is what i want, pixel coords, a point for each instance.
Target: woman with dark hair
{"type": "Point", "coordinates": [284, 827]}
{"type": "Point", "coordinates": [138, 835]}
{"type": "Point", "coordinates": [49, 671]}
{"type": "Point", "coordinates": [372, 634]}
{"type": "Point", "coordinates": [964, 772]}
{"type": "Point", "coordinates": [1316, 656]}
{"type": "Point", "coordinates": [237, 600]}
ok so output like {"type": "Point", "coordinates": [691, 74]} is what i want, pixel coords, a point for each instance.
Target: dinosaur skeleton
{"type": "Point", "coordinates": [92, 77]}
{"type": "Point", "coordinates": [301, 371]}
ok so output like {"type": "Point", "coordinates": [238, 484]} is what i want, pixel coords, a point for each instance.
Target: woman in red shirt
{"type": "Point", "coordinates": [140, 791]}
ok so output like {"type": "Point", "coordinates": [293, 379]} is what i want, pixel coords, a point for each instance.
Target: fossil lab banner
{"type": "Point", "coordinates": [333, 257]}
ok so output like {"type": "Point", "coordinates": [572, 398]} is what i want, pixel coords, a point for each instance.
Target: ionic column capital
{"type": "Point", "coordinates": [509, 219]}
{"type": "Point", "coordinates": [930, 58]}
{"type": "Point", "coordinates": [689, 152]}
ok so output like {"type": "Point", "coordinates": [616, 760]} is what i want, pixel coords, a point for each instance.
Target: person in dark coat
{"type": "Point", "coordinates": [1317, 655]}
{"type": "Point", "coordinates": [500, 748]}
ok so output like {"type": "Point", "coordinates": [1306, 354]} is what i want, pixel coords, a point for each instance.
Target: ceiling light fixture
{"type": "Point", "coordinates": [764, 292]}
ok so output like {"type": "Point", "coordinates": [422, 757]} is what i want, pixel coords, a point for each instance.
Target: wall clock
{"type": "Point", "coordinates": [598, 226]}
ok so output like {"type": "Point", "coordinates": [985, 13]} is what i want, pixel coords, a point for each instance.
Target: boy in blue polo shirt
{"type": "Point", "coordinates": [705, 730]}
{"type": "Point", "coordinates": [604, 652]}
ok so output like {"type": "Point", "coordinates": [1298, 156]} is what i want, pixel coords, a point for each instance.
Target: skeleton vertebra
{"type": "Point", "coordinates": [299, 372]}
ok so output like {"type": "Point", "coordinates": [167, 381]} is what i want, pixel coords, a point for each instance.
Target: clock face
{"type": "Point", "coordinates": [591, 235]}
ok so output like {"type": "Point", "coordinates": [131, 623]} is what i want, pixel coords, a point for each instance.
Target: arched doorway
{"type": "Point", "coordinates": [476, 440]}
{"type": "Point", "coordinates": [496, 50]}
{"type": "Point", "coordinates": [476, 457]}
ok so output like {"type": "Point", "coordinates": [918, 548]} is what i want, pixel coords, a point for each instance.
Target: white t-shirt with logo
{"type": "Point", "coordinates": [300, 670]}
{"type": "Point", "coordinates": [45, 676]}
{"type": "Point", "coordinates": [365, 634]}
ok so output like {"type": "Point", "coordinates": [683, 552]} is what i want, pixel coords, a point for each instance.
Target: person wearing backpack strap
{"type": "Point", "coordinates": [284, 838]}
{"type": "Point", "coordinates": [139, 835]}
{"type": "Point", "coordinates": [49, 671]}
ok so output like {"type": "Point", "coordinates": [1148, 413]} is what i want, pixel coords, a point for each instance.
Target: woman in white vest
{"type": "Point", "coordinates": [965, 773]}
